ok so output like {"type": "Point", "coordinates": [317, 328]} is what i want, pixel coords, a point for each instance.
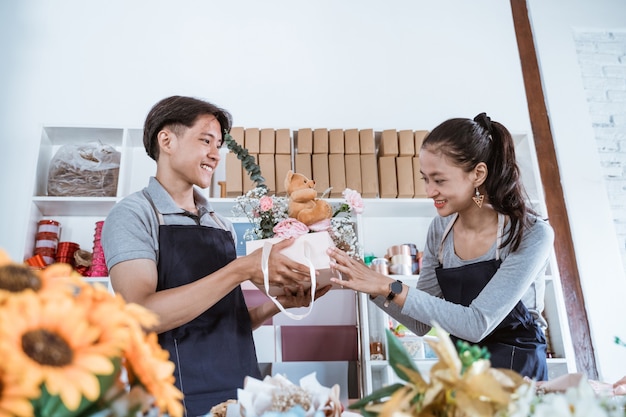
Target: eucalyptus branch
{"type": "Point", "coordinates": [247, 160]}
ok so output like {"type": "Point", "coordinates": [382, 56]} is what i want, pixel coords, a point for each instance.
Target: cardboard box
{"type": "Point", "coordinates": [337, 172]}
{"type": "Point", "coordinates": [353, 172]}
{"type": "Point", "coordinates": [388, 143]}
{"type": "Point", "coordinates": [335, 141]}
{"type": "Point", "coordinates": [404, 170]}
{"type": "Point", "coordinates": [369, 176]}
{"type": "Point", "coordinates": [268, 141]}
{"type": "Point", "coordinates": [367, 142]}
{"type": "Point", "coordinates": [283, 165]}
{"type": "Point", "coordinates": [418, 181]}
{"type": "Point", "coordinates": [238, 134]}
{"type": "Point", "coordinates": [351, 142]}
{"type": "Point", "coordinates": [320, 141]}
{"type": "Point", "coordinates": [234, 175]}
{"type": "Point", "coordinates": [302, 164]}
{"type": "Point", "coordinates": [283, 142]}
{"type": "Point", "coordinates": [304, 141]}
{"type": "Point", "coordinates": [252, 140]}
{"type": "Point", "coordinates": [406, 143]}
{"type": "Point", "coordinates": [268, 170]}
{"type": "Point", "coordinates": [248, 184]}
{"type": "Point", "coordinates": [419, 136]}
{"type": "Point", "coordinates": [321, 174]}
{"type": "Point", "coordinates": [388, 181]}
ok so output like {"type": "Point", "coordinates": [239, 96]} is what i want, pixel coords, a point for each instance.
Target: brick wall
{"type": "Point", "coordinates": [602, 59]}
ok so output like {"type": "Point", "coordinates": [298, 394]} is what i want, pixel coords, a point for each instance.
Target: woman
{"type": "Point", "coordinates": [482, 277]}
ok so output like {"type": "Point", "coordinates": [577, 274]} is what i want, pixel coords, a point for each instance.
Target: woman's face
{"type": "Point", "coordinates": [448, 185]}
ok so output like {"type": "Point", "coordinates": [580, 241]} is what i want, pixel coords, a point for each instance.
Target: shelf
{"type": "Point", "coordinates": [74, 206]}
{"type": "Point", "coordinates": [398, 207]}
{"type": "Point", "coordinates": [63, 135]}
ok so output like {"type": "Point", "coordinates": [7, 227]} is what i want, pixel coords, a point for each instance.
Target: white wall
{"type": "Point", "coordinates": [402, 64]}
{"type": "Point", "coordinates": [277, 63]}
{"type": "Point", "coordinates": [595, 241]}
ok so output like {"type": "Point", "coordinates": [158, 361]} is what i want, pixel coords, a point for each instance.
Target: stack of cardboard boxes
{"type": "Point", "coordinates": [376, 164]}
{"type": "Point", "coordinates": [399, 165]}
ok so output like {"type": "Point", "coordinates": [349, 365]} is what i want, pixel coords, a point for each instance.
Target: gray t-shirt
{"type": "Point", "coordinates": [521, 276]}
{"type": "Point", "coordinates": [131, 229]}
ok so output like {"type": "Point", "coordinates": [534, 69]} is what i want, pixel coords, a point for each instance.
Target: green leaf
{"type": "Point", "coordinates": [398, 355]}
{"type": "Point", "coordinates": [247, 160]}
{"type": "Point", "coordinates": [379, 394]}
{"type": "Point", "coordinates": [48, 405]}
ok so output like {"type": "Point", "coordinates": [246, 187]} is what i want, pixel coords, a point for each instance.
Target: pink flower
{"type": "Point", "coordinates": [320, 226]}
{"type": "Point", "coordinates": [266, 203]}
{"type": "Point", "coordinates": [354, 200]}
{"type": "Point", "coordinates": [290, 228]}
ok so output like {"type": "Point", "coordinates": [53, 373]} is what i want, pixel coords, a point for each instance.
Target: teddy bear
{"type": "Point", "coordinates": [303, 202]}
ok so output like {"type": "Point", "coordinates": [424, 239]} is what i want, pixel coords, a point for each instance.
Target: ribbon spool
{"type": "Point", "coordinates": [98, 264]}
{"type": "Point", "coordinates": [65, 252]}
{"type": "Point", "coordinates": [380, 265]}
{"type": "Point", "coordinates": [47, 240]}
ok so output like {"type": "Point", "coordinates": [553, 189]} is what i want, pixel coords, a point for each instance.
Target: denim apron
{"type": "Point", "coordinates": [517, 343]}
{"type": "Point", "coordinates": [214, 352]}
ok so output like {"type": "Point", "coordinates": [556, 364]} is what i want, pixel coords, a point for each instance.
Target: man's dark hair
{"type": "Point", "coordinates": [177, 112]}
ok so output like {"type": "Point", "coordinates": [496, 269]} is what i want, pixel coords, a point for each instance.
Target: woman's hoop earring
{"type": "Point", "coordinates": [478, 198]}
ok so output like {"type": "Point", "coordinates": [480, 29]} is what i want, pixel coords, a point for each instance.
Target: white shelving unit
{"type": "Point", "coordinates": [384, 223]}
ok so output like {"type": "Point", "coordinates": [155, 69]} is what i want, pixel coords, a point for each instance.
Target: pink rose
{"type": "Point", "coordinates": [266, 203]}
{"type": "Point", "coordinates": [290, 228]}
{"type": "Point", "coordinates": [354, 200]}
{"type": "Point", "coordinates": [320, 226]}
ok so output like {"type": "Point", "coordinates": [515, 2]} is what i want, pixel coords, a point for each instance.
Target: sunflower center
{"type": "Point", "coordinates": [47, 348]}
{"type": "Point", "coordinates": [17, 278]}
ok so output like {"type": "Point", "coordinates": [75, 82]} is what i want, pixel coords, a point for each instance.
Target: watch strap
{"type": "Point", "coordinates": [392, 294]}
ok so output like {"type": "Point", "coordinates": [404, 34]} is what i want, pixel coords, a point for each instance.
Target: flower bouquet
{"type": "Point", "coordinates": [276, 394]}
{"type": "Point", "coordinates": [269, 217]}
{"type": "Point", "coordinates": [68, 348]}
{"type": "Point", "coordinates": [463, 384]}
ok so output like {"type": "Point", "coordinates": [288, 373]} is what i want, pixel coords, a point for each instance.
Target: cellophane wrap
{"type": "Point", "coordinates": [84, 170]}
{"type": "Point", "coordinates": [276, 393]}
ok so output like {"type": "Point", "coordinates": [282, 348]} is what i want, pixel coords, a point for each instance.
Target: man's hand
{"type": "Point", "coordinates": [299, 297]}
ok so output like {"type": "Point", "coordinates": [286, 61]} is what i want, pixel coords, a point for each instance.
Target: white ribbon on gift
{"type": "Point", "coordinates": [267, 248]}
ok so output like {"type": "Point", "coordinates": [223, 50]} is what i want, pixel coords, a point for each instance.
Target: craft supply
{"type": "Point", "coordinates": [47, 239]}
{"type": "Point", "coordinates": [98, 264]}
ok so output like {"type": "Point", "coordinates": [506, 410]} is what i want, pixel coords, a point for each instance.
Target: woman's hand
{"type": "Point", "coordinates": [356, 275]}
{"type": "Point", "coordinates": [299, 297]}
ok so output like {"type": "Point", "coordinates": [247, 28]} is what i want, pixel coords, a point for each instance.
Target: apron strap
{"type": "Point", "coordinates": [157, 212]}
{"type": "Point", "coordinates": [218, 221]}
{"type": "Point", "coordinates": [455, 216]}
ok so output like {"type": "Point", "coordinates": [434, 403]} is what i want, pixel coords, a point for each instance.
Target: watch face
{"type": "Point", "coordinates": [396, 287]}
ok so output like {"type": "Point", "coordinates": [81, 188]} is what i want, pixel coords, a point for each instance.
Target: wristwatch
{"type": "Point", "coordinates": [395, 288]}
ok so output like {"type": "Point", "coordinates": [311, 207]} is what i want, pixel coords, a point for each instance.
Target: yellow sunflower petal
{"type": "Point", "coordinates": [15, 394]}
{"type": "Point", "coordinates": [71, 385]}
{"type": "Point", "coordinates": [96, 364]}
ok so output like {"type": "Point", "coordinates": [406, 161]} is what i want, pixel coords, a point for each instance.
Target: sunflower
{"type": "Point", "coordinates": [50, 342]}
{"type": "Point", "coordinates": [15, 394]}
{"type": "Point", "coordinates": [19, 278]}
{"type": "Point", "coordinates": [149, 363]}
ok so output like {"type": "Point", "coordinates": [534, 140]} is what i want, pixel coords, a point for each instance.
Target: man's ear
{"type": "Point", "coordinates": [480, 174]}
{"type": "Point", "coordinates": [164, 137]}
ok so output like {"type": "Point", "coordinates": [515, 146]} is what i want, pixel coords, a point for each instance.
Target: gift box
{"type": "Point", "coordinates": [308, 249]}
